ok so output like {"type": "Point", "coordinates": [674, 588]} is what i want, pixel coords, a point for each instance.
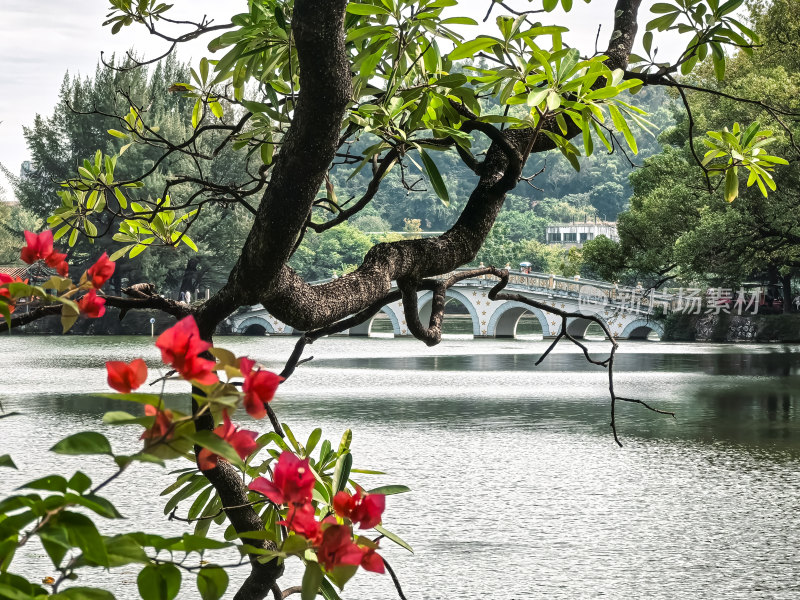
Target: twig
{"type": "Point", "coordinates": [276, 424]}
{"type": "Point", "coordinates": [691, 137]}
{"type": "Point", "coordinates": [647, 406]}
{"type": "Point", "coordinates": [395, 580]}
{"type": "Point", "coordinates": [494, 294]}
{"type": "Point", "coordinates": [174, 517]}
{"type": "Point", "coordinates": [550, 348]}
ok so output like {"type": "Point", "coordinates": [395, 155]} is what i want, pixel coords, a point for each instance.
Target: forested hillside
{"type": "Point", "coordinates": [557, 193]}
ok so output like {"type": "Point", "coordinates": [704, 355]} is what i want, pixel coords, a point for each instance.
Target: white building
{"type": "Point", "coordinates": [577, 234]}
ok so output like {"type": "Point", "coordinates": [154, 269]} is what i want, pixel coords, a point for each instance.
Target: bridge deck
{"type": "Point", "coordinates": [586, 291]}
{"type": "Point", "coordinates": [626, 311]}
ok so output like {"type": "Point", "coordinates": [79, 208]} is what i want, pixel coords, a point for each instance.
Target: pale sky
{"type": "Point", "coordinates": [40, 40]}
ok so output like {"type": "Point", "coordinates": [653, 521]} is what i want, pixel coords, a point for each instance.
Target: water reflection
{"type": "Point", "coordinates": [772, 364]}
{"type": "Point", "coordinates": [518, 490]}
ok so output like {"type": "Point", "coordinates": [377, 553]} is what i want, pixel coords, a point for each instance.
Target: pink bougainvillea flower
{"type": "Point", "coordinates": [181, 346]}
{"type": "Point", "coordinates": [57, 261]}
{"type": "Point", "coordinates": [162, 426]}
{"type": "Point", "coordinates": [242, 440]}
{"type": "Point", "coordinates": [5, 278]}
{"type": "Point", "coordinates": [301, 520]}
{"type": "Point", "coordinates": [361, 508]}
{"type": "Point", "coordinates": [125, 377]}
{"type": "Point", "coordinates": [292, 481]}
{"type": "Point", "coordinates": [259, 388]}
{"type": "Point", "coordinates": [336, 548]}
{"type": "Point", "coordinates": [372, 561]}
{"type": "Point", "coordinates": [101, 271]}
{"type": "Point", "coordinates": [91, 305]}
{"type": "Point", "coordinates": [38, 246]}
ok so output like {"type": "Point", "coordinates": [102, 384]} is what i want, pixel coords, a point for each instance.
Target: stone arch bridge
{"type": "Point", "coordinates": [628, 312]}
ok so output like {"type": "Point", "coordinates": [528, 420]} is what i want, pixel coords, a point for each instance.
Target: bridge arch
{"type": "Point", "coordinates": [505, 318]}
{"type": "Point", "coordinates": [577, 326]}
{"type": "Point", "coordinates": [364, 328]}
{"type": "Point", "coordinates": [424, 303]}
{"type": "Point", "coordinates": [251, 326]}
{"type": "Point", "coordinates": [641, 328]}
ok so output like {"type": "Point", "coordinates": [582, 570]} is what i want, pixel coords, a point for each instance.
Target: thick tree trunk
{"type": "Point", "coordinates": [307, 150]}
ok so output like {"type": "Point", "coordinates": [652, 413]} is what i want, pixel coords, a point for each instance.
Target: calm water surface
{"type": "Point", "coordinates": [518, 489]}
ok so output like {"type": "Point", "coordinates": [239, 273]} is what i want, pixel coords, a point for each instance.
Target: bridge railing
{"type": "Point", "coordinates": [588, 291]}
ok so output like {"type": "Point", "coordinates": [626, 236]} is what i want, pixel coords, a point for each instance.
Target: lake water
{"type": "Point", "coordinates": [518, 490]}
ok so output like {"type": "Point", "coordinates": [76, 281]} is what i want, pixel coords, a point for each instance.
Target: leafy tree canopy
{"type": "Point", "coordinates": [716, 241]}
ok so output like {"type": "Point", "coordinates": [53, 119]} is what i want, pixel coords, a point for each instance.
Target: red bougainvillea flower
{"type": "Point", "coordinates": [161, 426]}
{"type": "Point", "coordinates": [92, 306]}
{"type": "Point", "coordinates": [5, 278]}
{"type": "Point", "coordinates": [361, 508]}
{"type": "Point", "coordinates": [242, 440]}
{"type": "Point", "coordinates": [125, 377]}
{"type": "Point", "coordinates": [180, 347]}
{"type": "Point", "coordinates": [57, 261]}
{"type": "Point", "coordinates": [63, 268]}
{"type": "Point", "coordinates": [101, 271]}
{"type": "Point", "coordinates": [337, 548]}
{"type": "Point", "coordinates": [259, 388]}
{"type": "Point", "coordinates": [372, 561]}
{"type": "Point", "coordinates": [300, 519]}
{"type": "Point", "coordinates": [292, 481]}
{"type": "Point", "coordinates": [38, 246]}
